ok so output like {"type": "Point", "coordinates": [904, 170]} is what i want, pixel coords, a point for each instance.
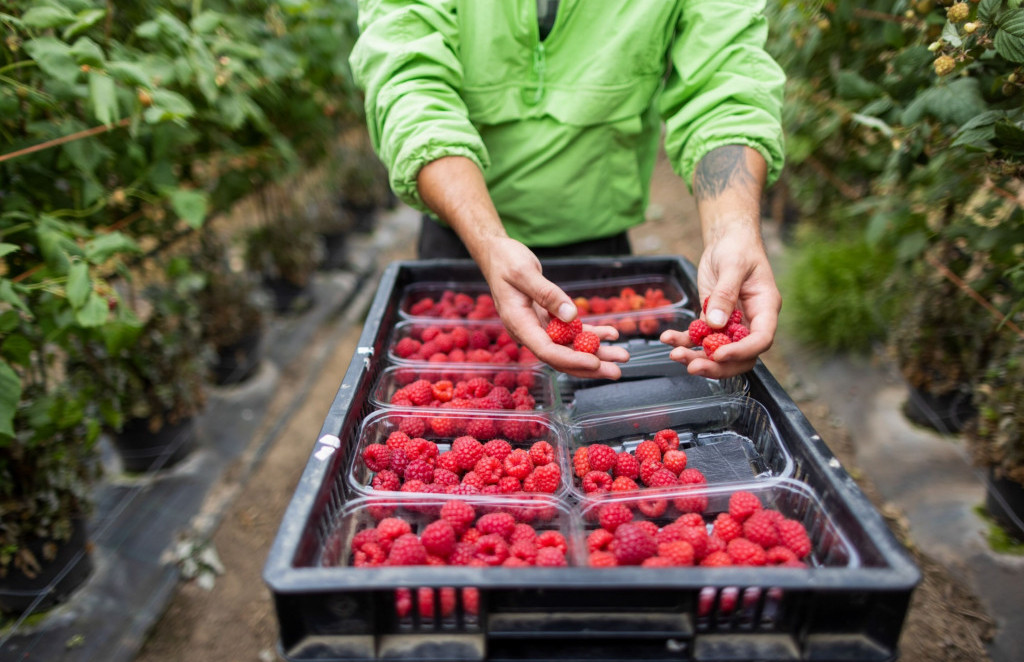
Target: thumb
{"type": "Point", "coordinates": [550, 297]}
{"type": "Point", "coordinates": [720, 303]}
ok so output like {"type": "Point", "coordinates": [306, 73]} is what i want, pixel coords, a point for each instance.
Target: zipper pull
{"type": "Point", "coordinates": [539, 65]}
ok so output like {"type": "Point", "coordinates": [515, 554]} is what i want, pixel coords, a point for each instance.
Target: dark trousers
{"type": "Point", "coordinates": [440, 241]}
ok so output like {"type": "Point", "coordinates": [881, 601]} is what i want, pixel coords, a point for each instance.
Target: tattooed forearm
{"type": "Point", "coordinates": [719, 169]}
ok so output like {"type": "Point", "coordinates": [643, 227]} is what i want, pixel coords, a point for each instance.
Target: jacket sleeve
{"type": "Point", "coordinates": [406, 63]}
{"type": "Point", "coordinates": [723, 87]}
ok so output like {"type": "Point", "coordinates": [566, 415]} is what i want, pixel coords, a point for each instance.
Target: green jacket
{"type": "Point", "coordinates": [566, 130]}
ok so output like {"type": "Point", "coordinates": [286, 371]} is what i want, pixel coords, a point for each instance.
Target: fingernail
{"type": "Point", "coordinates": [566, 312]}
{"type": "Point", "coordinates": [717, 317]}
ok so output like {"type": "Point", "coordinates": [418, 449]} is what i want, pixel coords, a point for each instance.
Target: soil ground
{"type": "Point", "coordinates": [235, 620]}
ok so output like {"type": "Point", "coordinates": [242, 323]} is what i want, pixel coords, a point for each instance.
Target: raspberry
{"type": "Point", "coordinates": [444, 426]}
{"type": "Point", "coordinates": [697, 536]}
{"type": "Point", "coordinates": [390, 528]}
{"type": "Point", "coordinates": [497, 448]}
{"type": "Point", "coordinates": [442, 390]}
{"type": "Point", "coordinates": [667, 439]}
{"type": "Point", "coordinates": [705, 306]}
{"type": "Point", "coordinates": [406, 347]}
{"type": "Point", "coordinates": [420, 392]}
{"type": "Point", "coordinates": [735, 317]}
{"type": "Point", "coordinates": [675, 461]}
{"type": "Point", "coordinates": [713, 342]}
{"type": "Point", "coordinates": [780, 555]}
{"type": "Point", "coordinates": [648, 469]}
{"type": "Point", "coordinates": [439, 538]}
{"type": "Point", "coordinates": [793, 535]}
{"type": "Point", "coordinates": [760, 529]}
{"type": "Point", "coordinates": [596, 481]}
{"type": "Point", "coordinates": [467, 451]}
{"type": "Point", "coordinates": [626, 466]}
{"type": "Point", "coordinates": [518, 464]}
{"type": "Point", "coordinates": [397, 439]}
{"type": "Point", "coordinates": [597, 540]}
{"type": "Point", "coordinates": [491, 549]}
{"type": "Point", "coordinates": [679, 552]}
{"type": "Point", "coordinates": [364, 537]}
{"type": "Point", "coordinates": [445, 477]}
{"type": "Point", "coordinates": [611, 515]}
{"type": "Point", "coordinates": [563, 333]}
{"type": "Point", "coordinates": [581, 461]}
{"type": "Point", "coordinates": [692, 477]}
{"type": "Point", "coordinates": [515, 429]}
{"type": "Point", "coordinates": [602, 559]}
{"type": "Point", "coordinates": [647, 450]}
{"type": "Point", "coordinates": [550, 557]}
{"type": "Point", "coordinates": [698, 330]}
{"type": "Point", "coordinates": [745, 552]}
{"type": "Point", "coordinates": [691, 503]}
{"type": "Point", "coordinates": [407, 550]}
{"type": "Point", "coordinates": [726, 527]}
{"type": "Point", "coordinates": [419, 470]}
{"type": "Point", "coordinates": [541, 453]}
{"type": "Point", "coordinates": [742, 505]}
{"type": "Point", "coordinates": [413, 426]}
{"type": "Point", "coordinates": [657, 562]}
{"type": "Point", "coordinates": [586, 342]}
{"type": "Point", "coordinates": [602, 458]}
{"type": "Point", "coordinates": [377, 457]}
{"type": "Point", "coordinates": [552, 538]}
{"type": "Point", "coordinates": [662, 478]}
{"type": "Point", "coordinates": [716, 544]}
{"type": "Point", "coordinates": [737, 332]}
{"type": "Point", "coordinates": [690, 519]}
{"type": "Point", "coordinates": [652, 507]}
{"type": "Point", "coordinates": [509, 485]}
{"type": "Point", "coordinates": [459, 514]}
{"type": "Point", "coordinates": [448, 461]}
{"type": "Point", "coordinates": [524, 551]}
{"type": "Point", "coordinates": [624, 484]}
{"type": "Point", "coordinates": [489, 469]}
{"type": "Point", "coordinates": [546, 478]}
{"type": "Point", "coordinates": [632, 544]}
{"type": "Point", "coordinates": [372, 555]}
{"type": "Point", "coordinates": [502, 524]}
{"type": "Point", "coordinates": [717, 560]}
{"type": "Point", "coordinates": [386, 480]}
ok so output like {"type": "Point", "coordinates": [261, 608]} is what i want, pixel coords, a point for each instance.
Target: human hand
{"type": "Point", "coordinates": [526, 301]}
{"type": "Point", "coordinates": [733, 272]}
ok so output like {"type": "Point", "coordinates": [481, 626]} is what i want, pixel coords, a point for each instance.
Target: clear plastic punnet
{"type": "Point", "coordinates": [445, 451]}
{"type": "Point", "coordinates": [470, 342]}
{"type": "Point", "coordinates": [503, 387]}
{"type": "Point", "coordinates": [728, 440]}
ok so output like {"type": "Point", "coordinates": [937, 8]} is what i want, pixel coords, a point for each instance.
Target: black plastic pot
{"type": "Point", "coordinates": [288, 297]}
{"type": "Point", "coordinates": [335, 253]}
{"type": "Point", "coordinates": [237, 362]}
{"type": "Point", "coordinates": [57, 579]}
{"type": "Point", "coordinates": [947, 413]}
{"type": "Point", "coordinates": [1004, 500]}
{"type": "Point", "coordinates": [143, 451]}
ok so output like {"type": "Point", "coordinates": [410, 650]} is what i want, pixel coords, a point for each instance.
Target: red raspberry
{"type": "Point", "coordinates": [390, 528]}
{"type": "Point", "coordinates": [632, 544]}
{"type": "Point", "coordinates": [541, 453]}
{"type": "Point", "coordinates": [413, 426]}
{"type": "Point", "coordinates": [666, 439]}
{"type": "Point", "coordinates": [726, 527]}
{"type": "Point", "coordinates": [690, 519]}
{"type": "Point", "coordinates": [420, 392]}
{"type": "Point", "coordinates": [449, 461]}
{"type": "Point", "coordinates": [611, 515]}
{"type": "Point", "coordinates": [518, 464]}
{"type": "Point", "coordinates": [459, 514]}
{"type": "Point", "coordinates": [550, 557]}
{"type": "Point", "coordinates": [386, 480]}
{"type": "Point", "coordinates": [760, 529]}
{"type": "Point", "coordinates": [406, 347]}
{"type": "Point", "coordinates": [444, 426]}
{"type": "Point", "coordinates": [563, 333]}
{"type": "Point", "coordinates": [691, 503]}
{"type": "Point", "coordinates": [626, 465]}
{"type": "Point", "coordinates": [509, 485]}
{"type": "Point", "coordinates": [647, 450]}
{"type": "Point", "coordinates": [780, 555]}
{"type": "Point", "coordinates": [463, 554]}
{"type": "Point", "coordinates": [652, 507]}
{"type": "Point", "coordinates": [552, 538]}
{"type": "Point", "coordinates": [586, 342]}
{"type": "Point", "coordinates": [598, 540]}
{"type": "Point", "coordinates": [675, 461]}
{"type": "Point", "coordinates": [596, 482]}
{"type": "Point", "coordinates": [442, 390]}
{"type": "Point", "coordinates": [546, 478]}
{"type": "Point", "coordinates": [413, 485]}
{"type": "Point", "coordinates": [662, 478]}
{"type": "Point", "coordinates": [624, 484]}
{"type": "Point", "coordinates": [491, 549]}
{"type": "Point", "coordinates": [501, 523]}
{"type": "Point", "coordinates": [498, 449]}
{"type": "Point", "coordinates": [602, 559]}
{"type": "Point", "coordinates": [407, 550]}
{"type": "Point", "coordinates": [697, 536]}
{"type": "Point", "coordinates": [481, 428]}
{"type": "Point", "coordinates": [602, 458]}
{"type": "Point", "coordinates": [737, 332]}
{"type": "Point", "coordinates": [445, 477]}
{"type": "Point", "coordinates": [698, 330]}
{"type": "Point", "coordinates": [648, 468]}
{"type": "Point", "coordinates": [467, 451]}
{"type": "Point", "coordinates": [745, 552]}
{"type": "Point", "coordinates": [713, 342]}
{"type": "Point", "coordinates": [793, 535]}
{"type": "Point", "coordinates": [419, 470]}
{"type": "Point", "coordinates": [717, 560]}
{"type": "Point", "coordinates": [515, 429]}
{"type": "Point", "coordinates": [581, 461]}
{"type": "Point", "coordinates": [471, 535]}
{"type": "Point", "coordinates": [742, 505]}
{"type": "Point", "coordinates": [377, 457]}
{"type": "Point", "coordinates": [692, 477]}
{"type": "Point", "coordinates": [705, 306]}
{"type": "Point", "coordinates": [736, 317]}
{"type": "Point", "coordinates": [716, 544]}
{"type": "Point", "coordinates": [678, 552]}
{"type": "Point", "coordinates": [524, 551]}
{"type": "Point", "coordinates": [489, 469]}
{"type": "Point", "coordinates": [657, 562]}
{"type": "Point", "coordinates": [364, 537]}
{"type": "Point", "coordinates": [371, 555]}
{"type": "Point", "coordinates": [439, 538]}
{"type": "Point", "coordinates": [397, 439]}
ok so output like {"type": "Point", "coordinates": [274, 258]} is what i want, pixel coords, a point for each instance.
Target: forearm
{"type": "Point", "coordinates": [727, 185]}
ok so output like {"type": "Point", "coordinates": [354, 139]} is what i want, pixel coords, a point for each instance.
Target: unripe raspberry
{"type": "Point", "coordinates": [935, 46]}
{"type": "Point", "coordinates": [970, 27]}
{"type": "Point", "coordinates": [958, 12]}
{"type": "Point", "coordinates": [944, 65]}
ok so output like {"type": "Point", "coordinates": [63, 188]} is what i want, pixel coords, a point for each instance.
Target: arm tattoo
{"type": "Point", "coordinates": [719, 169]}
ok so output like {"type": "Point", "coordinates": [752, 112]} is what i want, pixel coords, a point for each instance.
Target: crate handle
{"type": "Point", "coordinates": [327, 444]}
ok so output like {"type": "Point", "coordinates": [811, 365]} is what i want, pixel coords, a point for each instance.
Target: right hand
{"type": "Point", "coordinates": [526, 301]}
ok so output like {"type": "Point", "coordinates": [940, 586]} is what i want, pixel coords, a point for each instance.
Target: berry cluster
{"type": "Point", "coordinates": [474, 393]}
{"type": "Point", "coordinates": [572, 334]}
{"type": "Point", "coordinates": [459, 535]}
{"type": "Point", "coordinates": [626, 301]}
{"type": "Point", "coordinates": [461, 344]}
{"type": "Point", "coordinates": [746, 535]}
{"type": "Point", "coordinates": [455, 305]}
{"type": "Point", "coordinates": [469, 467]}
{"type": "Point", "coordinates": [657, 462]}
{"type": "Point", "coordinates": [704, 336]}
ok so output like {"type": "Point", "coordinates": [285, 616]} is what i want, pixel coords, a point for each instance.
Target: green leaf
{"type": "Point", "coordinates": [129, 74]}
{"type": "Point", "coordinates": [987, 10]}
{"type": "Point", "coordinates": [10, 395]}
{"type": "Point", "coordinates": [94, 313]}
{"type": "Point", "coordinates": [79, 284]}
{"type": "Point", "coordinates": [105, 246]}
{"type": "Point", "coordinates": [8, 295]}
{"type": "Point", "coordinates": [190, 205]}
{"type": "Point", "coordinates": [17, 349]}
{"type": "Point", "coordinates": [9, 321]}
{"type": "Point", "coordinates": [84, 20]}
{"type": "Point", "coordinates": [1009, 41]}
{"type": "Point", "coordinates": [103, 95]}
{"type": "Point", "coordinates": [86, 153]}
{"type": "Point", "coordinates": [851, 85]}
{"type": "Point", "coordinates": [1009, 136]}
{"type": "Point", "coordinates": [53, 57]}
{"type": "Point", "coordinates": [912, 245]}
{"type": "Point", "coordinates": [120, 334]}
{"type": "Point", "coordinates": [956, 103]}
{"type": "Point", "coordinates": [148, 30]}
{"type": "Point", "coordinates": [47, 17]}
{"type": "Point", "coordinates": [7, 249]}
{"type": "Point", "coordinates": [206, 22]}
{"type": "Point", "coordinates": [874, 123]}
{"type": "Point", "coordinates": [979, 132]}
{"type": "Point", "coordinates": [171, 104]}
{"type": "Point", "coordinates": [951, 36]}
{"type": "Point", "coordinates": [87, 51]}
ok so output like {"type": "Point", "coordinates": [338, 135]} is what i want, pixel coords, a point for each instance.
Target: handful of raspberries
{"type": "Point", "coordinates": [710, 339]}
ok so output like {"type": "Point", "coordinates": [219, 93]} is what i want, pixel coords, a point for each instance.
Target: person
{"type": "Point", "coordinates": [524, 137]}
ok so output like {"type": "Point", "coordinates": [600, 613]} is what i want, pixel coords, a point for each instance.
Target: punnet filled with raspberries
{"type": "Point", "coordinates": [459, 453]}
{"type": "Point", "coordinates": [709, 339]}
{"type": "Point", "coordinates": [777, 524]}
{"type": "Point", "coordinates": [714, 441]}
{"type": "Point", "coordinates": [444, 341]}
{"type": "Point", "coordinates": [501, 388]}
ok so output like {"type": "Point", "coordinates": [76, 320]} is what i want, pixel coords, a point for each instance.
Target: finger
{"type": "Point", "coordinates": [603, 331]}
{"type": "Point", "coordinates": [722, 300]}
{"type": "Point", "coordinates": [676, 338]}
{"type": "Point", "coordinates": [698, 364]}
{"type": "Point", "coordinates": [547, 295]}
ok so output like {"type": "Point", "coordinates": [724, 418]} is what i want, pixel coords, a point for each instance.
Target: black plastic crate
{"type": "Point", "coordinates": [580, 613]}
